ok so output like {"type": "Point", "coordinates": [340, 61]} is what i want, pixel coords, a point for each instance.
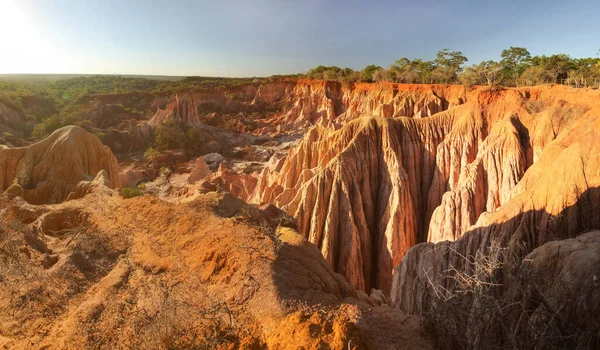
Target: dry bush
{"type": "Point", "coordinates": [536, 106]}
{"type": "Point", "coordinates": [287, 221]}
{"type": "Point", "coordinates": [474, 309]}
{"type": "Point", "coordinates": [26, 286]}
{"type": "Point", "coordinates": [218, 326]}
{"type": "Point", "coordinates": [566, 113]}
{"type": "Point", "coordinates": [180, 325]}
{"type": "Point", "coordinates": [253, 217]}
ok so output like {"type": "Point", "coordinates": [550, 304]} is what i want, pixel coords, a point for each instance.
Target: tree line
{"type": "Point", "coordinates": [516, 67]}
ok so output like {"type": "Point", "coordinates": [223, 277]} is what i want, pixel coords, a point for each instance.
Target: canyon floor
{"type": "Point", "coordinates": [305, 214]}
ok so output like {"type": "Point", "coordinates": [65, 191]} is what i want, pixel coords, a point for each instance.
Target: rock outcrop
{"type": "Point", "coordinates": [367, 192]}
{"type": "Point", "coordinates": [48, 171]}
{"type": "Point", "coordinates": [557, 198]}
{"type": "Point", "coordinates": [200, 171]}
{"type": "Point", "coordinates": [293, 106]}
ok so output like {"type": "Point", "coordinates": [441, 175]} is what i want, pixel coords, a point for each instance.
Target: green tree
{"type": "Point", "coordinates": [555, 67]}
{"type": "Point", "coordinates": [368, 71]}
{"type": "Point", "coordinates": [451, 59]}
{"type": "Point", "coordinates": [380, 75]}
{"type": "Point", "coordinates": [448, 65]}
{"type": "Point", "coordinates": [532, 76]}
{"type": "Point", "coordinates": [514, 62]}
{"type": "Point", "coordinates": [424, 69]}
{"type": "Point", "coordinates": [193, 140]}
{"type": "Point", "coordinates": [403, 71]}
{"type": "Point", "coordinates": [169, 136]}
{"type": "Point", "coordinates": [333, 73]}
{"type": "Point", "coordinates": [490, 71]}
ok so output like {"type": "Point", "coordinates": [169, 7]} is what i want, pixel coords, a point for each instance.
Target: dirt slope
{"type": "Point", "coordinates": [104, 272]}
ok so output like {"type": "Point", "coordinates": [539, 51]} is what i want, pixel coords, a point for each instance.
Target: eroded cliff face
{"type": "Point", "coordinates": [366, 192]}
{"type": "Point", "coordinates": [358, 196]}
{"type": "Point", "coordinates": [484, 184]}
{"type": "Point", "coordinates": [556, 198]}
{"type": "Point", "coordinates": [293, 106]}
{"type": "Point", "coordinates": [48, 171]}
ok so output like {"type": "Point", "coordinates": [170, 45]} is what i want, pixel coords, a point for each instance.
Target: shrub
{"type": "Point", "coordinates": [39, 131]}
{"type": "Point", "coordinates": [535, 106]}
{"type": "Point", "coordinates": [169, 136]}
{"type": "Point", "coordinates": [87, 125]}
{"type": "Point", "coordinates": [470, 308]}
{"type": "Point", "coordinates": [565, 114]}
{"type": "Point", "coordinates": [151, 154]}
{"type": "Point", "coordinates": [52, 123]}
{"type": "Point", "coordinates": [23, 179]}
{"type": "Point", "coordinates": [193, 140]}
{"type": "Point", "coordinates": [129, 192]}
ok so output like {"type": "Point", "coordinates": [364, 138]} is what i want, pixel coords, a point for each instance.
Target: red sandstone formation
{"type": "Point", "coordinates": [555, 199]}
{"type": "Point", "coordinates": [48, 171]}
{"type": "Point", "coordinates": [368, 192]}
{"type": "Point", "coordinates": [304, 103]}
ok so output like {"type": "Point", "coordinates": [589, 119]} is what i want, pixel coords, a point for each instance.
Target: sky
{"type": "Point", "coordinates": [266, 37]}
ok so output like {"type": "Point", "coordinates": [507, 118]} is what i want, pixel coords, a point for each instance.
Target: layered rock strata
{"type": "Point", "coordinates": [48, 171]}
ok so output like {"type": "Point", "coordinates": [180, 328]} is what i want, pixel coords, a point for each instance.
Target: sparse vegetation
{"type": "Point", "coordinates": [174, 135]}
{"type": "Point", "coordinates": [469, 309]}
{"type": "Point", "coordinates": [535, 106]}
{"type": "Point", "coordinates": [62, 97]}
{"type": "Point", "coordinates": [566, 113]}
{"type": "Point", "coordinates": [169, 136]}
{"type": "Point", "coordinates": [252, 216]}
{"type": "Point", "coordinates": [151, 154]}
{"type": "Point", "coordinates": [130, 192]}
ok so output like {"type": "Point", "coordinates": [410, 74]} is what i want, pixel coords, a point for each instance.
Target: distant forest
{"type": "Point", "coordinates": [517, 67]}
{"type": "Point", "coordinates": [62, 97]}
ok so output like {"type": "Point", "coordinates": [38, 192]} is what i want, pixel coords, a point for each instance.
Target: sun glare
{"type": "Point", "coordinates": [26, 50]}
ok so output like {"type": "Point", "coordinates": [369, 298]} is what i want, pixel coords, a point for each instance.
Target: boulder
{"type": "Point", "coordinates": [214, 160]}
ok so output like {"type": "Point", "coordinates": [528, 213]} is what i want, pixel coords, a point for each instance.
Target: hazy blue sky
{"type": "Point", "coordinates": [256, 38]}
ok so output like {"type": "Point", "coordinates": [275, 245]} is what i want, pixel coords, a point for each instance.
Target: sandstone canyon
{"type": "Point", "coordinates": [313, 214]}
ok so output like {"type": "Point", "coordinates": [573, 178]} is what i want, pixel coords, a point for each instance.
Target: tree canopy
{"type": "Point", "coordinates": [516, 67]}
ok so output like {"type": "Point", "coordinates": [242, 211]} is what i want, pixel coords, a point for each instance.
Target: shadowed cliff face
{"type": "Point", "coordinates": [540, 290]}
{"type": "Point", "coordinates": [539, 265]}
{"type": "Point", "coordinates": [367, 192]}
